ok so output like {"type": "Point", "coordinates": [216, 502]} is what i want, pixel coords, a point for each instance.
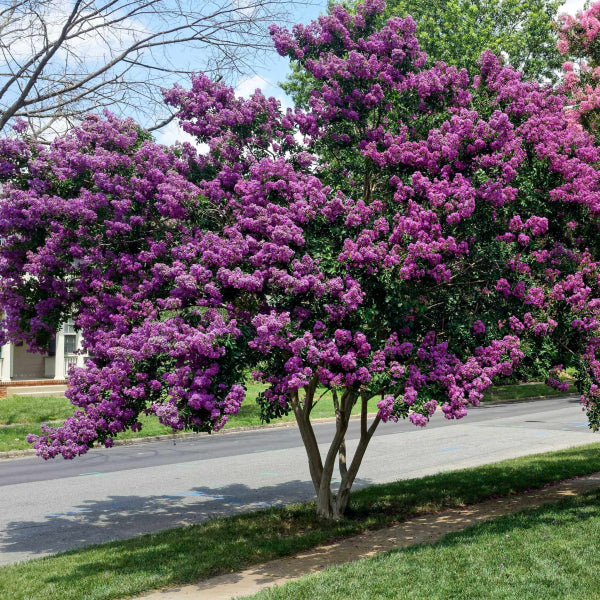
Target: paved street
{"type": "Point", "coordinates": [46, 507]}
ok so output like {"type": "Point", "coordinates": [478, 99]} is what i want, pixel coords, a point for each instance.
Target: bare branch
{"type": "Point", "coordinates": [60, 60]}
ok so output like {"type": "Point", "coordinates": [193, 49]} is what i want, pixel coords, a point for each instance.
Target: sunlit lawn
{"type": "Point", "coordinates": [549, 553]}
{"type": "Point", "coordinates": [22, 415]}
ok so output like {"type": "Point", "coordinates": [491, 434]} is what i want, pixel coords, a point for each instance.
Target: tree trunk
{"type": "Point", "coordinates": [330, 506]}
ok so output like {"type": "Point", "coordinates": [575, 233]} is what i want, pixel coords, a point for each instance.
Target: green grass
{"type": "Point", "coordinates": [22, 415]}
{"type": "Point", "coordinates": [543, 554]}
{"type": "Point", "coordinates": [34, 409]}
{"type": "Point", "coordinates": [184, 555]}
{"type": "Point", "coordinates": [520, 390]}
{"type": "Point", "coordinates": [13, 436]}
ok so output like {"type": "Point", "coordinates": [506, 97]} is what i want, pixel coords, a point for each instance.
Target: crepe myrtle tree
{"type": "Point", "coordinates": [410, 237]}
{"type": "Point", "coordinates": [458, 31]}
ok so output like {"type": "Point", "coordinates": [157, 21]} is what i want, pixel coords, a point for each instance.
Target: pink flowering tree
{"type": "Point", "coordinates": [579, 42]}
{"type": "Point", "coordinates": [410, 237]}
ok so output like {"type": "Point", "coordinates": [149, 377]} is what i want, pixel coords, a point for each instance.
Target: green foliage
{"type": "Point", "coordinates": [458, 31]}
{"type": "Point", "coordinates": [271, 411]}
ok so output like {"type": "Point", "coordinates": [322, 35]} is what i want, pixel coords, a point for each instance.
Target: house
{"type": "Point", "coordinates": [23, 372]}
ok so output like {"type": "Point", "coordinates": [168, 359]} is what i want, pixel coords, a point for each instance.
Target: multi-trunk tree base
{"type": "Point", "coordinates": [330, 505]}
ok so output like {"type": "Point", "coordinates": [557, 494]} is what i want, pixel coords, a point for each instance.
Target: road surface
{"type": "Point", "coordinates": [47, 507]}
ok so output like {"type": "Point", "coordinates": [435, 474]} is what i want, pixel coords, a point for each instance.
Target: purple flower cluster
{"type": "Point", "coordinates": [408, 236]}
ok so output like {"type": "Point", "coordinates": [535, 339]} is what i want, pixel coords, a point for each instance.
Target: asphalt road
{"type": "Point", "coordinates": [47, 507]}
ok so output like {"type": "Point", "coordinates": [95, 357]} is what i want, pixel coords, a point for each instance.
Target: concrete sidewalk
{"type": "Point", "coordinates": [426, 529]}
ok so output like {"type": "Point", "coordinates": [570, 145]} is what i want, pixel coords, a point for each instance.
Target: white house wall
{"type": "Point", "coordinates": [27, 365]}
{"type": "Point", "coordinates": [16, 364]}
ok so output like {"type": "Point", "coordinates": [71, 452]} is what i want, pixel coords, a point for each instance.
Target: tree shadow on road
{"type": "Point", "coordinates": [176, 555]}
{"type": "Point", "coordinates": [122, 517]}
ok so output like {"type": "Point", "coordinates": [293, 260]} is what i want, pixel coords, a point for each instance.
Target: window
{"type": "Point", "coordinates": [70, 337]}
{"type": "Point", "coordinates": [70, 344]}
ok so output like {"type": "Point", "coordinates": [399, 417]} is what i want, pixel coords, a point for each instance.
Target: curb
{"type": "Point", "coordinates": [183, 436]}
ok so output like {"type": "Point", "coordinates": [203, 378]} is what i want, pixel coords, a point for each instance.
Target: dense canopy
{"type": "Point", "coordinates": [413, 235]}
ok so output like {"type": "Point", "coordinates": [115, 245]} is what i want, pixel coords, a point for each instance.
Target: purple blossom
{"type": "Point", "coordinates": [478, 327]}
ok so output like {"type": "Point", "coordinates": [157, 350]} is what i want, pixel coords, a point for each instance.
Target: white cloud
{"type": "Point", "coordinates": [99, 42]}
{"type": "Point", "coordinates": [572, 7]}
{"type": "Point", "coordinates": [246, 87]}
{"type": "Point", "coordinates": [247, 8]}
{"type": "Point", "coordinates": [173, 133]}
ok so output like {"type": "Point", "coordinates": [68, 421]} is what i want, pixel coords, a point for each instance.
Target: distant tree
{"type": "Point", "coordinates": [62, 59]}
{"type": "Point", "coordinates": [458, 31]}
{"type": "Point", "coordinates": [410, 238]}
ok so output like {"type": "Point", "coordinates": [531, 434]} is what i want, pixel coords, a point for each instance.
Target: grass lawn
{"type": "Point", "coordinates": [521, 390]}
{"type": "Point", "coordinates": [183, 555]}
{"type": "Point", "coordinates": [22, 415]}
{"type": "Point", "coordinates": [543, 554]}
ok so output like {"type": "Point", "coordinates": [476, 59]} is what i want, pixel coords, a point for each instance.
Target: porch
{"type": "Point", "coordinates": [20, 369]}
